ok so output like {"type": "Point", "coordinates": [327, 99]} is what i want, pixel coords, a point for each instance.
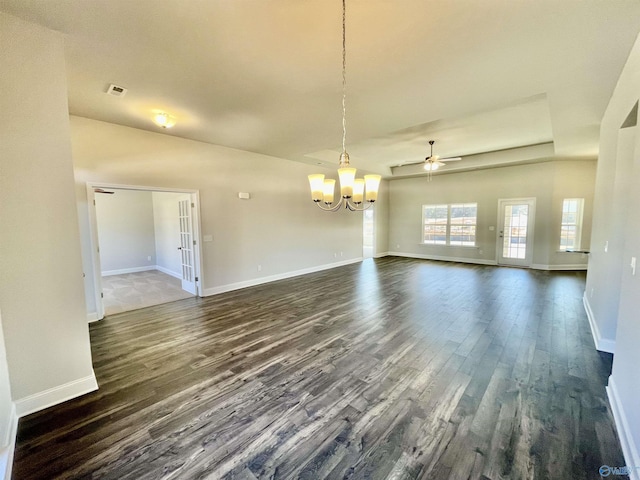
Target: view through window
{"type": "Point", "coordinates": [453, 224]}
{"type": "Point", "coordinates": [571, 227]}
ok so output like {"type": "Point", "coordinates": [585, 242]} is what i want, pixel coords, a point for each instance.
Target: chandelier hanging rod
{"type": "Point", "coordinates": [352, 190]}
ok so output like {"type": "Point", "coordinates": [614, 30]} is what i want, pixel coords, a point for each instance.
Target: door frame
{"type": "Point", "coordinates": [530, 230]}
{"type": "Point", "coordinates": [95, 246]}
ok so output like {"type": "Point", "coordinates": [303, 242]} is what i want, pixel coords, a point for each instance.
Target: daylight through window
{"type": "Point", "coordinates": [571, 228]}
{"type": "Point", "coordinates": [453, 224]}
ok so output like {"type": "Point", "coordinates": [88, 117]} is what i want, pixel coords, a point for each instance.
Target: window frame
{"type": "Point", "coordinates": [577, 224]}
{"type": "Point", "coordinates": [448, 224]}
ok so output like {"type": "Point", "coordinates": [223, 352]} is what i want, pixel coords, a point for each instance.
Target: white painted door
{"type": "Point", "coordinates": [186, 245]}
{"type": "Point", "coordinates": [515, 231]}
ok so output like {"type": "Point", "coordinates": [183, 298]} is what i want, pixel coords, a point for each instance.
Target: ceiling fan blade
{"type": "Point", "coordinates": [450, 159]}
{"type": "Point", "coordinates": [407, 164]}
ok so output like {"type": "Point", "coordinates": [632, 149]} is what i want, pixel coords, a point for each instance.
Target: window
{"type": "Point", "coordinates": [571, 228]}
{"type": "Point", "coordinates": [453, 224]}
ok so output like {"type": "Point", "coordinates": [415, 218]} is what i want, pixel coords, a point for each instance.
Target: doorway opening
{"type": "Point", "coordinates": [368, 233]}
{"type": "Point", "coordinates": [145, 244]}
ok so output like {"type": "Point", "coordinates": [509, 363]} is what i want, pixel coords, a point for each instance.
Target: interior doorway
{"type": "Point", "coordinates": [145, 244]}
{"type": "Point", "coordinates": [516, 221]}
{"type": "Point", "coordinates": [368, 232]}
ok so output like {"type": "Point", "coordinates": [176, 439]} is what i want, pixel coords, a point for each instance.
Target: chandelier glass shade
{"type": "Point", "coordinates": [356, 194]}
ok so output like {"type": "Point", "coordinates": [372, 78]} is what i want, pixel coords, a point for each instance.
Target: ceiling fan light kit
{"type": "Point", "coordinates": [433, 162]}
{"type": "Point", "coordinates": [356, 194]}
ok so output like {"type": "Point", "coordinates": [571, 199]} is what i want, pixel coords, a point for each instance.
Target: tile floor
{"type": "Point", "coordinates": [131, 291]}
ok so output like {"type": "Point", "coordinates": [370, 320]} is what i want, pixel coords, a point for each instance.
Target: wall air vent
{"type": "Point", "coordinates": [116, 90]}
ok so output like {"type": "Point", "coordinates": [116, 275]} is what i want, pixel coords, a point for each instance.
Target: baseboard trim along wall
{"type": "Point", "coordinates": [602, 344]}
{"type": "Point", "coordinates": [569, 266]}
{"type": "Point", "coordinates": [9, 446]}
{"type": "Point", "coordinates": [168, 272]}
{"type": "Point", "coordinates": [53, 396]}
{"type": "Point", "coordinates": [122, 271]}
{"type": "Point", "coordinates": [272, 278]}
{"type": "Point", "coordinates": [629, 448]}
{"type": "Point", "coordinates": [478, 261]}
{"type": "Point", "coordinates": [92, 317]}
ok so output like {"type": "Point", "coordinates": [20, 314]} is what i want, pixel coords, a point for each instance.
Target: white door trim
{"type": "Point", "coordinates": [93, 234]}
{"type": "Point", "coordinates": [528, 261]}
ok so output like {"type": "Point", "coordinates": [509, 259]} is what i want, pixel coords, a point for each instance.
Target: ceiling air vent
{"type": "Point", "coordinates": [116, 91]}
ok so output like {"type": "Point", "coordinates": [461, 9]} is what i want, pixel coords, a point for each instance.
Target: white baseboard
{"type": "Point", "coordinates": [629, 448]}
{"type": "Point", "coordinates": [272, 278]}
{"type": "Point", "coordinates": [92, 317]}
{"type": "Point", "coordinates": [122, 271]}
{"type": "Point", "coordinates": [8, 445]}
{"type": "Point", "coordinates": [477, 261]}
{"type": "Point", "coordinates": [168, 272]}
{"type": "Point", "coordinates": [567, 266]}
{"type": "Point", "coordinates": [602, 344]}
{"type": "Point", "coordinates": [53, 396]}
{"type": "Point", "coordinates": [380, 255]}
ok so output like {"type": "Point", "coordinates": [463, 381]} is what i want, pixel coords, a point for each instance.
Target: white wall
{"type": "Point", "coordinates": [615, 301]}
{"type": "Point", "coordinates": [41, 288]}
{"type": "Point", "coordinates": [278, 229]}
{"type": "Point", "coordinates": [167, 231]}
{"type": "Point", "coordinates": [615, 183]}
{"type": "Point", "coordinates": [382, 220]}
{"type": "Point", "coordinates": [126, 231]}
{"type": "Point", "coordinates": [548, 182]}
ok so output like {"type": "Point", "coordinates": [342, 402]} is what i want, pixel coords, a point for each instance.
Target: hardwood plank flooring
{"type": "Point", "coordinates": [389, 369]}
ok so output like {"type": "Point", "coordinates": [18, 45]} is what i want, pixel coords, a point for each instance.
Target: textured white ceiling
{"type": "Point", "coordinates": [264, 75]}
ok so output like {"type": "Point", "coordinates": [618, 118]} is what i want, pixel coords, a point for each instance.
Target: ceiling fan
{"type": "Point", "coordinates": [433, 162]}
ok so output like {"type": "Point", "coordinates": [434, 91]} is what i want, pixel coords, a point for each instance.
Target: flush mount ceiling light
{"type": "Point", "coordinates": [164, 120]}
{"type": "Point", "coordinates": [356, 194]}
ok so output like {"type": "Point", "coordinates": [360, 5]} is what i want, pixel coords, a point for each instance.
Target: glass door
{"type": "Point", "coordinates": [515, 231]}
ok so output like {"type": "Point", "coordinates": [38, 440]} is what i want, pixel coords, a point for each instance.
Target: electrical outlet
{"type": "Point", "coordinates": [606, 246]}
{"type": "Point", "coordinates": [591, 294]}
{"type": "Point", "coordinates": [633, 265]}
{"type": "Point", "coordinates": [341, 254]}
{"type": "Point", "coordinates": [335, 255]}
{"type": "Point", "coordinates": [149, 258]}
{"type": "Point", "coordinates": [259, 268]}
{"type": "Point", "coordinates": [481, 252]}
{"type": "Point", "coordinates": [397, 245]}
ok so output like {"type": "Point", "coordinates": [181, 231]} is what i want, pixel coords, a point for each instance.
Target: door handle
{"type": "Point", "coordinates": [179, 248]}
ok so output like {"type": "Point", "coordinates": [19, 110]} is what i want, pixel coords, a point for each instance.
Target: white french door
{"type": "Point", "coordinates": [516, 222]}
{"type": "Point", "coordinates": [186, 245]}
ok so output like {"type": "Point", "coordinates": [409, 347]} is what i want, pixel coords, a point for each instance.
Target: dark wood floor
{"type": "Point", "coordinates": [389, 369]}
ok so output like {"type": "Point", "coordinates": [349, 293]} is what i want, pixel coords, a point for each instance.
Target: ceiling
{"type": "Point", "coordinates": [264, 75]}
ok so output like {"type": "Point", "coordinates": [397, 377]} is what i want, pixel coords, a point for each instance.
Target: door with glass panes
{"type": "Point", "coordinates": [515, 231]}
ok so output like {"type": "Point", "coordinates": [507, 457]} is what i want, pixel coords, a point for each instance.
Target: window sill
{"type": "Point", "coordinates": [475, 247]}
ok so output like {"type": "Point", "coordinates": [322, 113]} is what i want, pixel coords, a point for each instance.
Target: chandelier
{"type": "Point", "coordinates": [356, 194]}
